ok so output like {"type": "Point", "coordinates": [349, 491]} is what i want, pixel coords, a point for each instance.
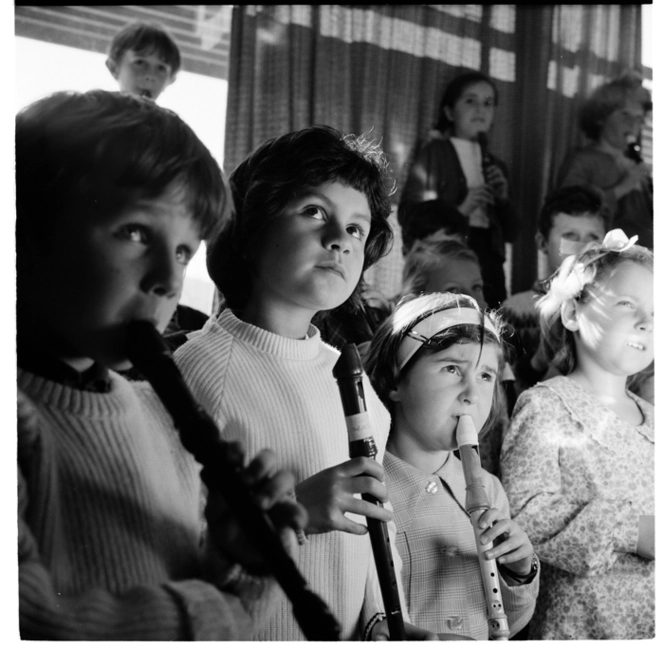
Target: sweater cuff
{"type": "Point", "coordinates": [518, 579]}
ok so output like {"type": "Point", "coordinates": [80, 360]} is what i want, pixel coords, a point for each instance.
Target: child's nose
{"type": "Point", "coordinates": [469, 394]}
{"type": "Point", "coordinates": [337, 238]}
{"type": "Point", "coordinates": [165, 276]}
{"type": "Point", "coordinates": [646, 321]}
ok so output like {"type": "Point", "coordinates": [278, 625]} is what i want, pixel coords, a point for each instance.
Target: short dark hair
{"type": "Point", "coordinates": [381, 362]}
{"type": "Point", "coordinates": [276, 173]}
{"type": "Point", "coordinates": [608, 98]}
{"type": "Point", "coordinates": [455, 89]}
{"type": "Point", "coordinates": [99, 152]}
{"type": "Point", "coordinates": [574, 200]}
{"type": "Point", "coordinates": [147, 38]}
{"type": "Point", "coordinates": [428, 217]}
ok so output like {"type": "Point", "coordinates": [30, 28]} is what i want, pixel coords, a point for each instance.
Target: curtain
{"type": "Point", "coordinates": [381, 69]}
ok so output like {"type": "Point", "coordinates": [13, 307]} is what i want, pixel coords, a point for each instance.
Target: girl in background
{"type": "Point", "coordinates": [435, 359]}
{"type": "Point", "coordinates": [455, 166]}
{"type": "Point", "coordinates": [578, 460]}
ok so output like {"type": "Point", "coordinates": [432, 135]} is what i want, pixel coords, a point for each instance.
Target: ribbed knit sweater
{"type": "Point", "coordinates": [110, 523]}
{"type": "Point", "coordinates": [269, 391]}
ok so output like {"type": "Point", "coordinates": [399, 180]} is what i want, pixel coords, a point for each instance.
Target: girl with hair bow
{"type": "Point", "coordinates": [578, 460]}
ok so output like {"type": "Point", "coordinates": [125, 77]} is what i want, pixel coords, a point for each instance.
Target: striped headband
{"type": "Point", "coordinates": [435, 323]}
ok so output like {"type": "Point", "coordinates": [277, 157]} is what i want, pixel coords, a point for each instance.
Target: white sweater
{"type": "Point", "coordinates": [274, 392]}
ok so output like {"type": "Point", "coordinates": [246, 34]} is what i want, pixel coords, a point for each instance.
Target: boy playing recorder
{"type": "Point", "coordinates": [114, 196]}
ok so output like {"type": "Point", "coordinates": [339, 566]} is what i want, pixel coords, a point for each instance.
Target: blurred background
{"type": "Point", "coordinates": [253, 72]}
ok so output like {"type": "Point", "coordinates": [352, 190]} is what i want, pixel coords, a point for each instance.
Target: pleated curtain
{"type": "Point", "coordinates": [381, 69]}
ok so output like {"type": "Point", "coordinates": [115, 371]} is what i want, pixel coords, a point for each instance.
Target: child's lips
{"type": "Point", "coordinates": [333, 266]}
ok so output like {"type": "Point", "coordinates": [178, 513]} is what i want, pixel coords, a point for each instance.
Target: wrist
{"type": "Point", "coordinates": [525, 578]}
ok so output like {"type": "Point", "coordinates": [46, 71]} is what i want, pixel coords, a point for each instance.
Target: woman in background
{"type": "Point", "coordinates": [612, 119]}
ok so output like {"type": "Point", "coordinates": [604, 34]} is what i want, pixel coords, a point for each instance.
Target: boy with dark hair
{"type": "Point", "coordinates": [571, 218]}
{"type": "Point", "coordinates": [144, 59]}
{"type": "Point", "coordinates": [113, 197]}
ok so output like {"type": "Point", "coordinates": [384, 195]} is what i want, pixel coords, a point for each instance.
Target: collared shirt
{"type": "Point", "coordinates": [435, 539]}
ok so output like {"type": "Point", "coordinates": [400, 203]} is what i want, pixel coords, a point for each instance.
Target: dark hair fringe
{"type": "Point", "coordinates": [99, 152]}
{"type": "Point", "coordinates": [147, 38]}
{"type": "Point", "coordinates": [381, 363]}
{"type": "Point", "coordinates": [275, 174]}
{"type": "Point", "coordinates": [574, 200]}
{"type": "Point", "coordinates": [455, 89]}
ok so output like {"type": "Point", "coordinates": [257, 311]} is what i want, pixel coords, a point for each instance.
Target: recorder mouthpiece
{"type": "Point", "coordinates": [466, 433]}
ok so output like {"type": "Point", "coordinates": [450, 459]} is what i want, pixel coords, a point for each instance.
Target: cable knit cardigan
{"type": "Point", "coordinates": [110, 524]}
{"type": "Point", "coordinates": [268, 391]}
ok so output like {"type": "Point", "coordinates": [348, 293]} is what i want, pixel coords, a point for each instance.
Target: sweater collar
{"type": "Point", "coordinates": [267, 341]}
{"type": "Point", "coordinates": [76, 401]}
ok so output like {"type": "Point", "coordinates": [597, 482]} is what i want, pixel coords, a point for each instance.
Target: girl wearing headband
{"type": "Point", "coordinates": [436, 358]}
{"type": "Point", "coordinates": [578, 460]}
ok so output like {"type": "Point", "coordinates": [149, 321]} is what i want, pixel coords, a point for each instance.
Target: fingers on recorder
{"type": "Point", "coordinates": [330, 494]}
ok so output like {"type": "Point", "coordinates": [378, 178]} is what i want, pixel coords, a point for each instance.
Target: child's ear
{"type": "Point", "coordinates": [449, 114]}
{"type": "Point", "coordinates": [171, 80]}
{"type": "Point", "coordinates": [112, 67]}
{"type": "Point", "coordinates": [540, 242]}
{"type": "Point", "coordinates": [394, 395]}
{"type": "Point", "coordinates": [569, 315]}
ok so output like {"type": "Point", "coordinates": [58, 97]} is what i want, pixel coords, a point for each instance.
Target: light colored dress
{"type": "Point", "coordinates": [578, 478]}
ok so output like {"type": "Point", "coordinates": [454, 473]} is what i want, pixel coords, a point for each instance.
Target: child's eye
{"type": "Point", "coordinates": [134, 234]}
{"type": "Point", "coordinates": [314, 212]}
{"type": "Point", "coordinates": [570, 237]}
{"type": "Point", "coordinates": [626, 303]}
{"type": "Point", "coordinates": [453, 369]}
{"type": "Point", "coordinates": [356, 231]}
{"type": "Point", "coordinates": [183, 254]}
{"type": "Point", "coordinates": [487, 376]}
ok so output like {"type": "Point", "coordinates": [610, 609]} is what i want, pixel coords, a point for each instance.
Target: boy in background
{"type": "Point", "coordinates": [144, 60]}
{"type": "Point", "coordinates": [111, 542]}
{"type": "Point", "coordinates": [571, 218]}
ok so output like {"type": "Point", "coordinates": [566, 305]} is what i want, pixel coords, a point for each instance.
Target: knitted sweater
{"type": "Point", "coordinates": [274, 392]}
{"type": "Point", "coordinates": [110, 526]}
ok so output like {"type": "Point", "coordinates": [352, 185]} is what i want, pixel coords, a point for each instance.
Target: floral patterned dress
{"type": "Point", "coordinates": [578, 478]}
